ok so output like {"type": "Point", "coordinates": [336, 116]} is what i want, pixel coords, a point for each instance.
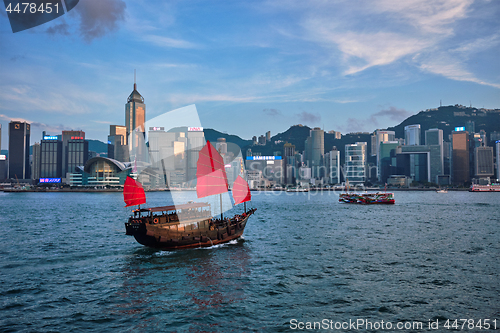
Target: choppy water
{"type": "Point", "coordinates": [66, 265]}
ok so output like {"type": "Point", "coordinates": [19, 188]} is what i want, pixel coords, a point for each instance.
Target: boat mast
{"type": "Point", "coordinates": [221, 217]}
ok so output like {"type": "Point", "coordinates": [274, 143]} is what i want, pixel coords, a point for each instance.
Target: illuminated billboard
{"type": "Point", "coordinates": [50, 180]}
{"type": "Point", "coordinates": [263, 158]}
{"type": "Point", "coordinates": [50, 137]}
{"type": "Point", "coordinates": [459, 129]}
{"type": "Point", "coordinates": [195, 129]}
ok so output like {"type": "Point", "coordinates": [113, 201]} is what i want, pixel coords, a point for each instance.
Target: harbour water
{"type": "Point", "coordinates": [67, 265]}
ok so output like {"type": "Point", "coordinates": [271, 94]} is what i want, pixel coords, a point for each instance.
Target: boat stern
{"type": "Point", "coordinates": [135, 226]}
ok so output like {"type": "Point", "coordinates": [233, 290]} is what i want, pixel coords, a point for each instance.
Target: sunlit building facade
{"type": "Point", "coordinates": [355, 163]}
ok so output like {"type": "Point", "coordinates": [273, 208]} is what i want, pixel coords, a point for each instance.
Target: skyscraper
{"type": "Point", "coordinates": [378, 137]}
{"type": "Point", "coordinates": [318, 151]}
{"type": "Point", "coordinates": [72, 136]}
{"type": "Point", "coordinates": [484, 137]}
{"type": "Point", "coordinates": [117, 148]}
{"type": "Point", "coordinates": [381, 136]}
{"type": "Point", "coordinates": [35, 163]}
{"type": "Point", "coordinates": [135, 118]}
{"type": "Point", "coordinates": [470, 127]}
{"type": "Point", "coordinates": [195, 142]}
{"type": "Point", "coordinates": [498, 158]}
{"type": "Point", "coordinates": [460, 157]}
{"type": "Point", "coordinates": [289, 163]}
{"type": "Point", "coordinates": [434, 137]}
{"type": "Point", "coordinates": [19, 150]}
{"type": "Point", "coordinates": [355, 163]}
{"type": "Point", "coordinates": [386, 159]}
{"type": "Point", "coordinates": [221, 146]}
{"type": "Point", "coordinates": [77, 154]}
{"type": "Point", "coordinates": [484, 162]}
{"type": "Point", "coordinates": [51, 151]}
{"type": "Point", "coordinates": [334, 166]}
{"type": "Point", "coordinates": [412, 135]}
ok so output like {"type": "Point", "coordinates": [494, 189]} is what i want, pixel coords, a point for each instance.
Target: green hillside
{"type": "Point", "coordinates": [98, 146]}
{"type": "Point", "coordinates": [445, 118]}
{"type": "Point", "coordinates": [449, 117]}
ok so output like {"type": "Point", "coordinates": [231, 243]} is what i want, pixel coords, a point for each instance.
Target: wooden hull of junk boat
{"type": "Point", "coordinates": [174, 237]}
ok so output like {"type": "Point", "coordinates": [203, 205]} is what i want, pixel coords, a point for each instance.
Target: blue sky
{"type": "Point", "coordinates": [251, 66]}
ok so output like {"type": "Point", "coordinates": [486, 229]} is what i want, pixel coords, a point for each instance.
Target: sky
{"type": "Point", "coordinates": [250, 66]}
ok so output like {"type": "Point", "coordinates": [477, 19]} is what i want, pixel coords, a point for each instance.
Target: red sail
{"type": "Point", "coordinates": [133, 192]}
{"type": "Point", "coordinates": [241, 192]}
{"type": "Point", "coordinates": [210, 172]}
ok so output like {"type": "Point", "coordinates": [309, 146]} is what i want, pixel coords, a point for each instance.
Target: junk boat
{"type": "Point", "coordinates": [366, 198]}
{"type": "Point", "coordinates": [189, 225]}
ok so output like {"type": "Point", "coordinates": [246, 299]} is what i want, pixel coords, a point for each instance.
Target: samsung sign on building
{"type": "Point", "coordinates": [263, 158]}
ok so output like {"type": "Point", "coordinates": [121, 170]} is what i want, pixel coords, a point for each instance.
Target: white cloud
{"type": "Point", "coordinates": [478, 45]}
{"type": "Point", "coordinates": [452, 69]}
{"type": "Point", "coordinates": [429, 16]}
{"type": "Point", "coordinates": [163, 41]}
{"type": "Point", "coordinates": [364, 50]}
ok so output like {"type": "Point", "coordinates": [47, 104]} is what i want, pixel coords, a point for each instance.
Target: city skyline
{"type": "Point", "coordinates": [339, 66]}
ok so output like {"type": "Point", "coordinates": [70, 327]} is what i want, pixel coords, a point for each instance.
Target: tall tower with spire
{"type": "Point", "coordinates": [135, 118]}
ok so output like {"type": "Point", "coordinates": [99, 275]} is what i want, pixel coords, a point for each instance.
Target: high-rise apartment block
{"type": "Point", "coordinates": [19, 150]}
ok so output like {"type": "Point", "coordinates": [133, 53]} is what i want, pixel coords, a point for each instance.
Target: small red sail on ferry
{"type": "Point", "coordinates": [190, 225]}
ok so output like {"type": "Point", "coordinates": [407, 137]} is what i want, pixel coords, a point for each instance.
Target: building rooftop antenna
{"type": "Point", "coordinates": [135, 84]}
